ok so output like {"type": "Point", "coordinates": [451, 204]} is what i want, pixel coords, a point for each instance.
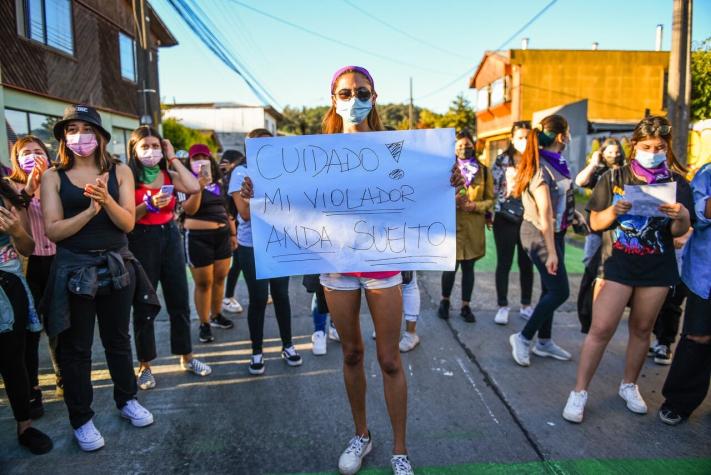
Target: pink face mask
{"type": "Point", "coordinates": [82, 144]}
{"type": "Point", "coordinates": [150, 157]}
{"type": "Point", "coordinates": [195, 165]}
{"type": "Point", "coordinates": [27, 162]}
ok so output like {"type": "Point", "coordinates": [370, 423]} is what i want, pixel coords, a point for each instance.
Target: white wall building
{"type": "Point", "coordinates": [229, 121]}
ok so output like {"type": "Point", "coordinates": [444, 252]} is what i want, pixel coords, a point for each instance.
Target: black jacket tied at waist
{"type": "Point", "coordinates": [81, 274]}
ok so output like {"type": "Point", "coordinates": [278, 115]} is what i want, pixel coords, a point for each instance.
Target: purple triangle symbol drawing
{"type": "Point", "coordinates": [395, 149]}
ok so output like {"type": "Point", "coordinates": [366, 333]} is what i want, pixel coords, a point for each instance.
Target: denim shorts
{"type": "Point", "coordinates": [347, 282]}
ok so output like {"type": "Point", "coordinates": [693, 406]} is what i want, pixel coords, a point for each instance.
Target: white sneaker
{"type": "Point", "coordinates": [319, 343]}
{"type": "Point", "coordinates": [333, 333]}
{"type": "Point", "coordinates": [137, 414]}
{"type": "Point", "coordinates": [145, 379]}
{"type": "Point", "coordinates": [88, 437]}
{"type": "Point", "coordinates": [630, 393]}
{"type": "Point", "coordinates": [401, 465]}
{"type": "Point", "coordinates": [520, 350]}
{"type": "Point", "coordinates": [196, 366]}
{"type": "Point", "coordinates": [575, 406]}
{"type": "Point", "coordinates": [502, 316]}
{"type": "Point", "coordinates": [408, 341]}
{"type": "Point", "coordinates": [352, 458]}
{"type": "Point", "coordinates": [374, 335]}
{"type": "Point", "coordinates": [231, 305]}
{"type": "Point", "coordinates": [526, 312]}
{"type": "Point", "coordinates": [549, 349]}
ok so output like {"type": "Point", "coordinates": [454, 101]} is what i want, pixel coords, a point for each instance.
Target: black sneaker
{"type": "Point", "coordinates": [256, 365]}
{"type": "Point", "coordinates": [443, 311]}
{"type": "Point", "coordinates": [219, 321]}
{"type": "Point", "coordinates": [662, 355]}
{"type": "Point", "coordinates": [291, 357]}
{"type": "Point", "coordinates": [36, 406]}
{"type": "Point", "coordinates": [670, 417]}
{"type": "Point", "coordinates": [36, 441]}
{"type": "Point", "coordinates": [206, 333]}
{"type": "Point", "coordinates": [467, 315]}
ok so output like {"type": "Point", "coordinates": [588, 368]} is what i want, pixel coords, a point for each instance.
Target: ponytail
{"type": "Point", "coordinates": [528, 165]}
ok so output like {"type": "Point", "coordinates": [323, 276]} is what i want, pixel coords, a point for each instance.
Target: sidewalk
{"type": "Point", "coordinates": [471, 409]}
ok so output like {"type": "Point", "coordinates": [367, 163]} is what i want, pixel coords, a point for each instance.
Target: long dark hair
{"type": "Point", "coordinates": [102, 157]}
{"type": "Point", "coordinates": [7, 191]}
{"type": "Point", "coordinates": [518, 125]}
{"type": "Point", "coordinates": [136, 166]}
{"type": "Point", "coordinates": [542, 136]}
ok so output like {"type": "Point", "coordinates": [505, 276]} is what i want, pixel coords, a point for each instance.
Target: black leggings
{"type": "Point", "coordinates": [507, 237]}
{"type": "Point", "coordinates": [37, 276]}
{"type": "Point", "coordinates": [233, 275]}
{"type": "Point", "coordinates": [12, 349]}
{"type": "Point", "coordinates": [467, 280]}
{"type": "Point", "coordinates": [258, 293]}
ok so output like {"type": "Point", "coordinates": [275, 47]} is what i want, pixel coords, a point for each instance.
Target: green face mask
{"type": "Point", "coordinates": [150, 174]}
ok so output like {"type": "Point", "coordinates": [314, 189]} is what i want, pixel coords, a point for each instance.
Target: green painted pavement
{"type": "Point", "coordinates": [692, 466]}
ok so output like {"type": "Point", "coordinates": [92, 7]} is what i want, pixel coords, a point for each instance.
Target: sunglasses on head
{"type": "Point", "coordinates": [652, 129]}
{"type": "Point", "coordinates": [362, 93]}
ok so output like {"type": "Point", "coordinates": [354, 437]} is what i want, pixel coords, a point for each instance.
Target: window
{"type": "Point", "coordinates": [127, 56]}
{"type": "Point", "coordinates": [21, 123]}
{"type": "Point", "coordinates": [482, 99]}
{"type": "Point", "coordinates": [119, 143]}
{"type": "Point", "coordinates": [497, 92]}
{"type": "Point", "coordinates": [50, 23]}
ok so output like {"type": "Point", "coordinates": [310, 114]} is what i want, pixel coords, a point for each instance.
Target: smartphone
{"type": "Point", "coordinates": [167, 189]}
{"type": "Point", "coordinates": [206, 171]}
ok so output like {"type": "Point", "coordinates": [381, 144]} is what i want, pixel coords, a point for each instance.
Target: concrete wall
{"type": "Point", "coordinates": [228, 119]}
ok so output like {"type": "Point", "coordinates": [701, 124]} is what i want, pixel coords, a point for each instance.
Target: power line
{"type": "Point", "coordinates": [333, 40]}
{"type": "Point", "coordinates": [403, 32]}
{"type": "Point", "coordinates": [501, 46]}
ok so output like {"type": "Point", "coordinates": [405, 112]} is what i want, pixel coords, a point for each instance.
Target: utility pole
{"type": "Point", "coordinates": [143, 62]}
{"type": "Point", "coordinates": [412, 109]}
{"type": "Point", "coordinates": [679, 82]}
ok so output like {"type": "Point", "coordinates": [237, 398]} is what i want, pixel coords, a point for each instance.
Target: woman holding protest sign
{"type": "Point", "coordinates": [258, 289]}
{"type": "Point", "coordinates": [475, 200]}
{"type": "Point", "coordinates": [353, 111]}
{"type": "Point", "coordinates": [157, 244]}
{"type": "Point", "coordinates": [639, 262]}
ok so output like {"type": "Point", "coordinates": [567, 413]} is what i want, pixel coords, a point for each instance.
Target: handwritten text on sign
{"type": "Point", "coordinates": [363, 202]}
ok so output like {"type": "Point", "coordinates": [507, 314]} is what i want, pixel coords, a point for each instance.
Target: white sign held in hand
{"type": "Point", "coordinates": [362, 202]}
{"type": "Point", "coordinates": [646, 199]}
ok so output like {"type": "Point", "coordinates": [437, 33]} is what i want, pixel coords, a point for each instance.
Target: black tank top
{"type": "Point", "coordinates": [98, 234]}
{"type": "Point", "coordinates": [212, 208]}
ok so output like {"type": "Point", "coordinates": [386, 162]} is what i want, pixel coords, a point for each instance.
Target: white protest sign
{"type": "Point", "coordinates": [646, 199]}
{"type": "Point", "coordinates": [361, 202]}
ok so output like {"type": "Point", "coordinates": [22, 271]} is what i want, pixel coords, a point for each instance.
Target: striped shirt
{"type": "Point", "coordinates": [43, 246]}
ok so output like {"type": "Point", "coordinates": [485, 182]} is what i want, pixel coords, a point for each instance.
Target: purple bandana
{"type": "Point", "coordinates": [651, 175]}
{"type": "Point", "coordinates": [355, 69]}
{"type": "Point", "coordinates": [557, 161]}
{"type": "Point", "coordinates": [214, 188]}
{"type": "Point", "coordinates": [469, 168]}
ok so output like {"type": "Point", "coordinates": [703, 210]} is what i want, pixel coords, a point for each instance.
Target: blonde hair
{"type": "Point", "coordinates": [18, 175]}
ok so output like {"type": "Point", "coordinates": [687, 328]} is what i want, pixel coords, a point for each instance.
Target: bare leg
{"type": "Point", "coordinates": [608, 305]}
{"type": "Point", "coordinates": [220, 271]}
{"type": "Point", "coordinates": [386, 308]}
{"type": "Point", "coordinates": [344, 306]}
{"type": "Point", "coordinates": [646, 304]}
{"type": "Point", "coordinates": [203, 288]}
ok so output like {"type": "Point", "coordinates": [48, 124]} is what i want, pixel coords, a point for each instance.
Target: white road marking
{"type": "Point", "coordinates": [481, 396]}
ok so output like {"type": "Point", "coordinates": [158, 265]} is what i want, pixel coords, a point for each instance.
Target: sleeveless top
{"type": "Point", "coordinates": [212, 208]}
{"type": "Point", "coordinates": [165, 215]}
{"type": "Point", "coordinates": [98, 234]}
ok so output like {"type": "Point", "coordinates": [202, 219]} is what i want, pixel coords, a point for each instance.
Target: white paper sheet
{"type": "Point", "coordinates": [364, 202]}
{"type": "Point", "coordinates": [646, 199]}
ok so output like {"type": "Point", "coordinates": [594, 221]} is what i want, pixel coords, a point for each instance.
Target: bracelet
{"type": "Point", "coordinates": [150, 207]}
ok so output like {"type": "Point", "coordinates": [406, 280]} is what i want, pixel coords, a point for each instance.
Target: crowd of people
{"type": "Point", "coordinates": [85, 238]}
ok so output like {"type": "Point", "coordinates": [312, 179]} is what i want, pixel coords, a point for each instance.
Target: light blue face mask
{"type": "Point", "coordinates": [649, 159]}
{"type": "Point", "coordinates": [353, 111]}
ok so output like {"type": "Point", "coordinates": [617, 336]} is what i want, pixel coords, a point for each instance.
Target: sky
{"type": "Point", "coordinates": [432, 42]}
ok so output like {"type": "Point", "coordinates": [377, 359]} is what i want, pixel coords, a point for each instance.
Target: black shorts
{"type": "Point", "coordinates": [697, 319]}
{"type": "Point", "coordinates": [205, 246]}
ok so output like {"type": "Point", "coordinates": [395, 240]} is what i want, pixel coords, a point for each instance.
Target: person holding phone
{"type": "Point", "coordinates": [30, 159]}
{"type": "Point", "coordinates": [88, 207]}
{"type": "Point", "coordinates": [157, 244]}
{"type": "Point", "coordinates": [17, 315]}
{"type": "Point", "coordinates": [210, 238]}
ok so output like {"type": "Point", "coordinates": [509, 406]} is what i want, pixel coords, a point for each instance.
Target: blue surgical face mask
{"type": "Point", "coordinates": [649, 159]}
{"type": "Point", "coordinates": [353, 111]}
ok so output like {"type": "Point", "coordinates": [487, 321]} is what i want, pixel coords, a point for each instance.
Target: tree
{"type": "Point", "coordinates": [701, 81]}
{"type": "Point", "coordinates": [183, 137]}
{"type": "Point", "coordinates": [460, 116]}
{"type": "Point", "coordinates": [304, 121]}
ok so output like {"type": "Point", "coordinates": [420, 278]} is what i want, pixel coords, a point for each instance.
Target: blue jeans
{"type": "Point", "coordinates": [555, 288]}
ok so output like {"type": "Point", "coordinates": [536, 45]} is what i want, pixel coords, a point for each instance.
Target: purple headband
{"type": "Point", "coordinates": [355, 69]}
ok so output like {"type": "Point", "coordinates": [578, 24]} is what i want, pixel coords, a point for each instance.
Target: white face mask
{"type": "Point", "coordinates": [149, 157]}
{"type": "Point", "coordinates": [519, 145]}
{"type": "Point", "coordinates": [353, 111]}
{"type": "Point", "coordinates": [649, 159]}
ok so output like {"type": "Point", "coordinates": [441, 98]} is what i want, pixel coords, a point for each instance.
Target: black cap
{"type": "Point", "coordinates": [80, 112]}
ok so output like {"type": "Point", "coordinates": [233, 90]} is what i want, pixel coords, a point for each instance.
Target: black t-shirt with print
{"type": "Point", "coordinates": [637, 250]}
